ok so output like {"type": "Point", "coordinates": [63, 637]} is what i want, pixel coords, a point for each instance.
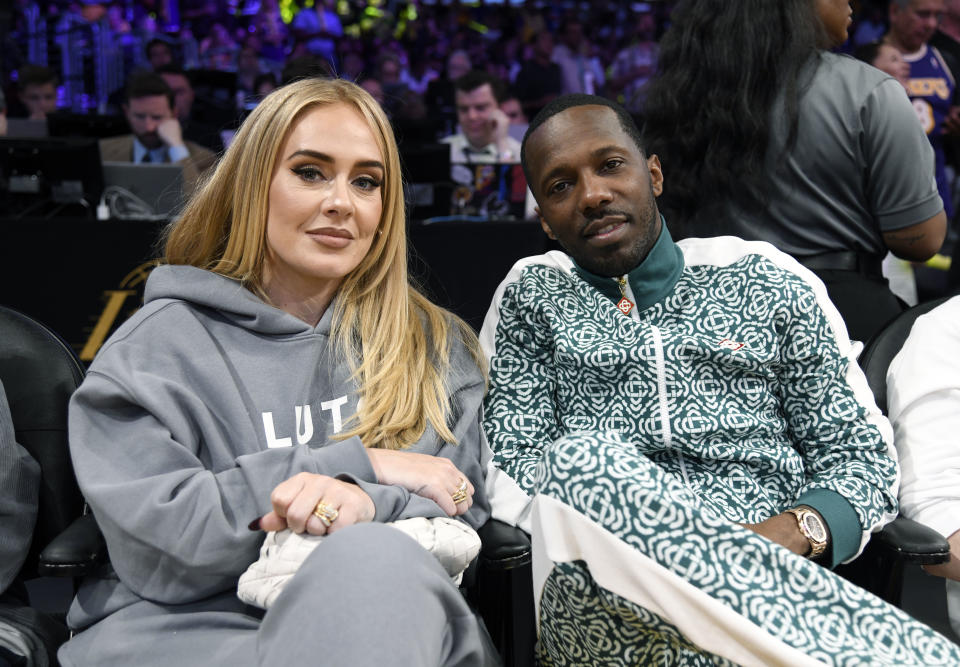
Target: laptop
{"type": "Point", "coordinates": [157, 189]}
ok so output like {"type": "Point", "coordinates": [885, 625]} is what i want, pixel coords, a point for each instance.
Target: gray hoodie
{"type": "Point", "coordinates": [196, 408]}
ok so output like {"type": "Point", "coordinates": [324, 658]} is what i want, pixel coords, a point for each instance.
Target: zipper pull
{"type": "Point", "coordinates": [624, 305]}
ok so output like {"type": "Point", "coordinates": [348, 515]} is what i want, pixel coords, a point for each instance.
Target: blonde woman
{"type": "Point", "coordinates": [282, 374]}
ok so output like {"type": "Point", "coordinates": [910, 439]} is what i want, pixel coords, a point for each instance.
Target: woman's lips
{"type": "Point", "coordinates": [333, 237]}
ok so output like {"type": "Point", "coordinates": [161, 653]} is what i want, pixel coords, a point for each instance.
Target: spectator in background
{"type": "Point", "coordinates": [156, 133]}
{"type": "Point", "coordinates": [539, 79]}
{"type": "Point", "coordinates": [319, 28]}
{"type": "Point", "coordinates": [753, 162]}
{"type": "Point", "coordinates": [248, 69]}
{"type": "Point", "coordinates": [194, 129]}
{"type": "Point", "coordinates": [513, 109]}
{"type": "Point", "coordinates": [582, 71]}
{"type": "Point", "coordinates": [264, 84]}
{"type": "Point", "coordinates": [885, 58]}
{"type": "Point", "coordinates": [218, 50]}
{"type": "Point", "coordinates": [37, 90]}
{"type": "Point", "coordinates": [440, 92]}
{"type": "Point", "coordinates": [352, 66]}
{"type": "Point", "coordinates": [273, 34]}
{"type": "Point", "coordinates": [483, 135]}
{"type": "Point", "coordinates": [947, 37]}
{"type": "Point", "coordinates": [931, 85]}
{"type": "Point", "coordinates": [419, 75]}
{"type": "Point", "coordinates": [159, 53]}
{"type": "Point", "coordinates": [389, 70]}
{"type": "Point", "coordinates": [871, 23]}
{"type": "Point", "coordinates": [635, 64]}
{"type": "Point", "coordinates": [372, 86]}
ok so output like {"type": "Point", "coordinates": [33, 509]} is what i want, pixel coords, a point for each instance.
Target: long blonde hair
{"type": "Point", "coordinates": [396, 341]}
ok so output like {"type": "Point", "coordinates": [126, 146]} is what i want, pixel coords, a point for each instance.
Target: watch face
{"type": "Point", "coordinates": [815, 527]}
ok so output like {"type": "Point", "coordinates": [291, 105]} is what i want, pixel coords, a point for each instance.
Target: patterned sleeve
{"type": "Point", "coordinates": [845, 441]}
{"type": "Point", "coordinates": [519, 418]}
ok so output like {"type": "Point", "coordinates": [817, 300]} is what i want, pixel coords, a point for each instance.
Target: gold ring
{"type": "Point", "coordinates": [325, 513]}
{"type": "Point", "coordinates": [461, 493]}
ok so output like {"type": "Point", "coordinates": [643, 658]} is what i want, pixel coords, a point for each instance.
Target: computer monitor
{"type": "Point", "coordinates": [47, 177]}
{"type": "Point", "coordinates": [159, 186]}
{"type": "Point", "coordinates": [68, 124]}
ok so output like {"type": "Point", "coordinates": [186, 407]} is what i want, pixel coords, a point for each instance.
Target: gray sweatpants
{"type": "Point", "coordinates": [367, 595]}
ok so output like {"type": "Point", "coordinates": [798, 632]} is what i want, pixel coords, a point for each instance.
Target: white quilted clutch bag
{"type": "Point", "coordinates": [453, 542]}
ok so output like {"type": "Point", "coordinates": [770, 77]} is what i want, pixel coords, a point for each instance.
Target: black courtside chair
{"type": "Point", "coordinates": [39, 372]}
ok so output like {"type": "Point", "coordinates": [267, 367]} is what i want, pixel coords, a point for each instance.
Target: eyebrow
{"type": "Point", "coordinates": [599, 152]}
{"type": "Point", "coordinates": [323, 157]}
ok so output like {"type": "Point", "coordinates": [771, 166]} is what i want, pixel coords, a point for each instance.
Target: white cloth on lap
{"type": "Point", "coordinates": [452, 542]}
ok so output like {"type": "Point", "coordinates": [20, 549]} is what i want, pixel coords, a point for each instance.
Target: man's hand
{"type": "Point", "coordinates": [170, 133]}
{"type": "Point", "coordinates": [784, 530]}
{"type": "Point", "coordinates": [500, 130]}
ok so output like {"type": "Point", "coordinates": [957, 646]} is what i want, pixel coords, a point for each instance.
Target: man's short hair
{"type": "Point", "coordinates": [36, 75]}
{"type": "Point", "coordinates": [148, 84]}
{"type": "Point", "coordinates": [476, 78]}
{"type": "Point", "coordinates": [154, 42]}
{"type": "Point", "coordinates": [175, 69]}
{"type": "Point", "coordinates": [565, 102]}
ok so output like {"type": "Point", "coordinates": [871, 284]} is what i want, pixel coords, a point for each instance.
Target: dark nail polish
{"type": "Point", "coordinates": [255, 524]}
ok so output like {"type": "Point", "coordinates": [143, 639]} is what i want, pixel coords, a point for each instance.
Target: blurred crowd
{"type": "Point", "coordinates": [406, 53]}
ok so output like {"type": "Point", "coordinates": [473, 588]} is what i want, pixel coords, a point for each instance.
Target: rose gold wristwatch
{"type": "Point", "coordinates": [813, 528]}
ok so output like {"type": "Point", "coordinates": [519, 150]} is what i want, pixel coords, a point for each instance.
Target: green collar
{"type": "Point", "coordinates": [651, 280]}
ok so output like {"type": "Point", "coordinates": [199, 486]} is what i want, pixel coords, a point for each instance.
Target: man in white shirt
{"type": "Point", "coordinates": [483, 136]}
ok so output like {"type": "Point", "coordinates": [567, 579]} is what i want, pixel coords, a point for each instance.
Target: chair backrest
{"type": "Point", "coordinates": [884, 345]}
{"type": "Point", "coordinates": [40, 372]}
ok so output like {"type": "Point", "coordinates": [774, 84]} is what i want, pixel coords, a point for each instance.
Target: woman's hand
{"type": "Point", "coordinates": [432, 477]}
{"type": "Point", "coordinates": [295, 500]}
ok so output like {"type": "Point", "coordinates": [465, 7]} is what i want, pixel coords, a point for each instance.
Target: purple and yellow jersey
{"type": "Point", "coordinates": [930, 88]}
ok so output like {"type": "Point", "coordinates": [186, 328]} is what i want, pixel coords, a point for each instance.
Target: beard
{"type": "Point", "coordinates": [624, 259]}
